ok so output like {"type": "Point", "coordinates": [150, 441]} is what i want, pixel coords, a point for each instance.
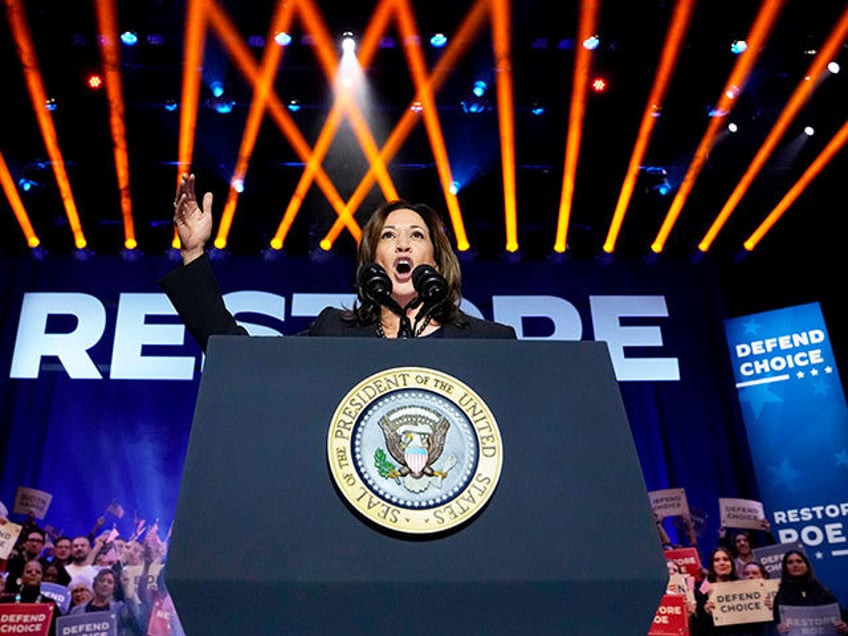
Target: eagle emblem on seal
{"type": "Point", "coordinates": [415, 438]}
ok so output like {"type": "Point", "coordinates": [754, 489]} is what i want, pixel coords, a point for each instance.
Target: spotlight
{"type": "Point", "coordinates": [537, 109]}
{"type": "Point", "coordinates": [170, 105]}
{"type": "Point", "coordinates": [237, 185]}
{"type": "Point", "coordinates": [348, 43]}
{"type": "Point", "coordinates": [455, 187]}
{"type": "Point", "coordinates": [282, 38]}
{"type": "Point", "coordinates": [293, 105]}
{"type": "Point", "coordinates": [833, 67]}
{"type": "Point", "coordinates": [438, 40]}
{"type": "Point", "coordinates": [26, 184]}
{"type": "Point", "coordinates": [479, 89]}
{"type": "Point", "coordinates": [591, 43]}
{"type": "Point", "coordinates": [95, 81]}
{"type": "Point", "coordinates": [217, 88]}
{"type": "Point", "coordinates": [417, 106]}
{"type": "Point", "coordinates": [50, 103]}
{"type": "Point", "coordinates": [732, 127]}
{"type": "Point", "coordinates": [738, 46]}
{"type": "Point", "coordinates": [809, 131]}
{"type": "Point", "coordinates": [223, 106]}
{"type": "Point", "coordinates": [129, 38]}
{"type": "Point", "coordinates": [599, 85]}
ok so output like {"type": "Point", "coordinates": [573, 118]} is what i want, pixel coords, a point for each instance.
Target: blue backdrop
{"type": "Point", "coordinates": [89, 416]}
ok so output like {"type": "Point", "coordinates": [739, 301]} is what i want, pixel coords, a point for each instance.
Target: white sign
{"type": "Point", "coordinates": [30, 500]}
{"type": "Point", "coordinates": [741, 513]}
{"type": "Point", "coordinates": [669, 502]}
{"type": "Point", "coordinates": [9, 533]}
{"type": "Point", "coordinates": [742, 601]}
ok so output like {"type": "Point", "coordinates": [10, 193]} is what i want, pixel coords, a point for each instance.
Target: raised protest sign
{"type": "Point", "coordinates": [88, 623]}
{"type": "Point", "coordinates": [669, 502]}
{"type": "Point", "coordinates": [687, 559]}
{"type": "Point", "coordinates": [30, 500]}
{"type": "Point", "coordinates": [32, 619]}
{"type": "Point", "coordinates": [131, 576]}
{"type": "Point", "coordinates": [741, 513]}
{"type": "Point", "coordinates": [817, 620]}
{"type": "Point", "coordinates": [742, 601]}
{"type": "Point", "coordinates": [671, 618]}
{"type": "Point", "coordinates": [771, 556]}
{"type": "Point", "coordinates": [9, 533]}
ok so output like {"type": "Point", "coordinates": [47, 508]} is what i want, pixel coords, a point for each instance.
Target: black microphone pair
{"type": "Point", "coordinates": [376, 286]}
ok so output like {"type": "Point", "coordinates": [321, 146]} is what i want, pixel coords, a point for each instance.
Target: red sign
{"type": "Point", "coordinates": [671, 618]}
{"type": "Point", "coordinates": [687, 559]}
{"type": "Point", "coordinates": [32, 619]}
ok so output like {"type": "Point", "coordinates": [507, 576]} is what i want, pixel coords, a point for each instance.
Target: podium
{"type": "Point", "coordinates": [266, 542]}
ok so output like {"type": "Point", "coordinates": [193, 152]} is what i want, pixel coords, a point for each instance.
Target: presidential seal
{"type": "Point", "coordinates": [414, 450]}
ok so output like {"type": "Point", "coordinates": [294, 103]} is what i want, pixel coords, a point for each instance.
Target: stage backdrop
{"type": "Point", "coordinates": [99, 377]}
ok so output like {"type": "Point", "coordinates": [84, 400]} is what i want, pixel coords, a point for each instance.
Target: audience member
{"type": "Point", "coordinates": [29, 591]}
{"type": "Point", "coordinates": [799, 587]}
{"type": "Point", "coordinates": [81, 592]}
{"type": "Point", "coordinates": [82, 557]}
{"type": "Point", "coordinates": [30, 546]}
{"type": "Point", "coordinates": [127, 613]}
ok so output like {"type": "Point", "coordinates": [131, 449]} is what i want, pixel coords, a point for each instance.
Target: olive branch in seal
{"type": "Point", "coordinates": [383, 465]}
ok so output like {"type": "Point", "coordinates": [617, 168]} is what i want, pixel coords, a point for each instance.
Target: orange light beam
{"type": "Point", "coordinates": [429, 111]}
{"type": "Point", "coordinates": [506, 116]}
{"type": "Point", "coordinates": [799, 96]}
{"type": "Point", "coordinates": [582, 63]}
{"type": "Point", "coordinates": [16, 15]}
{"type": "Point", "coordinates": [668, 60]}
{"type": "Point", "coordinates": [343, 104]}
{"type": "Point", "coordinates": [107, 23]}
{"type": "Point", "coordinates": [769, 10]}
{"type": "Point", "coordinates": [239, 51]}
{"type": "Point", "coordinates": [8, 185]}
{"type": "Point", "coordinates": [194, 43]}
{"type": "Point", "coordinates": [271, 56]}
{"type": "Point", "coordinates": [833, 147]}
{"type": "Point", "coordinates": [457, 46]}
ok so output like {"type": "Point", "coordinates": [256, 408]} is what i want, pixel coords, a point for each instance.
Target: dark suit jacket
{"type": "Point", "coordinates": [195, 295]}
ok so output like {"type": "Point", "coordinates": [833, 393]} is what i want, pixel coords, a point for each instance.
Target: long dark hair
{"type": "Point", "coordinates": [447, 263]}
{"type": "Point", "coordinates": [712, 577]}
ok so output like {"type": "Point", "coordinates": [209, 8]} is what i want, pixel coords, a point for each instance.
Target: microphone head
{"type": "Point", "coordinates": [375, 284]}
{"type": "Point", "coordinates": [431, 286]}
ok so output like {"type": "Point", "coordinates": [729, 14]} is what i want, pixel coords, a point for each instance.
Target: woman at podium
{"type": "Point", "coordinates": [408, 279]}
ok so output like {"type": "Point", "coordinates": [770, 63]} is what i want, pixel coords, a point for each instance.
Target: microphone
{"type": "Point", "coordinates": [432, 290]}
{"type": "Point", "coordinates": [431, 286]}
{"type": "Point", "coordinates": [376, 286]}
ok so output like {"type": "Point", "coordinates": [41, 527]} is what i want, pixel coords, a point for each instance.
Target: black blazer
{"type": "Point", "coordinates": [194, 292]}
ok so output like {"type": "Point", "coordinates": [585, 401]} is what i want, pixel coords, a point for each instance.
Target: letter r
{"type": "Point", "coordinates": [33, 342]}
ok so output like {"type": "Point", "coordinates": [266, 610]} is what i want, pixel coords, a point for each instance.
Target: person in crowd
{"type": "Point", "coordinates": [742, 543]}
{"type": "Point", "coordinates": [799, 586]}
{"type": "Point", "coordinates": [29, 549]}
{"type": "Point", "coordinates": [29, 591]}
{"type": "Point", "coordinates": [398, 237]}
{"type": "Point", "coordinates": [81, 561]}
{"type": "Point", "coordinates": [60, 555]}
{"type": "Point", "coordinates": [55, 573]}
{"type": "Point", "coordinates": [721, 569]}
{"type": "Point", "coordinates": [755, 570]}
{"type": "Point", "coordinates": [81, 592]}
{"type": "Point", "coordinates": [128, 614]}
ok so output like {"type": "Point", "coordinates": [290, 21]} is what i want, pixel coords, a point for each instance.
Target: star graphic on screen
{"type": "Point", "coordinates": [814, 371]}
{"type": "Point", "coordinates": [820, 388]}
{"type": "Point", "coordinates": [757, 396]}
{"type": "Point", "coordinates": [751, 327]}
{"type": "Point", "coordinates": [819, 555]}
{"type": "Point", "coordinates": [828, 369]}
{"type": "Point", "coordinates": [799, 375]}
{"type": "Point", "coordinates": [842, 457]}
{"type": "Point", "coordinates": [784, 475]}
